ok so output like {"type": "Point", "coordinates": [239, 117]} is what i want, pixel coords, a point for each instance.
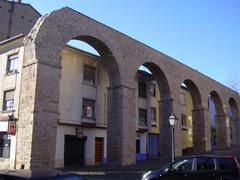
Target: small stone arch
{"type": "Point", "coordinates": [221, 123]}
{"type": "Point", "coordinates": [234, 121]}
{"type": "Point", "coordinates": [218, 103]}
{"type": "Point", "coordinates": [195, 93]}
{"type": "Point", "coordinates": [199, 134]}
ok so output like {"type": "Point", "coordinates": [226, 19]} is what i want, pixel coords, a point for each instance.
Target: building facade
{"type": "Point", "coordinates": [62, 106]}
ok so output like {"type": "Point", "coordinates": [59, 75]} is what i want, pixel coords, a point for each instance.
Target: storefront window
{"type": "Point", "coordinates": [4, 145]}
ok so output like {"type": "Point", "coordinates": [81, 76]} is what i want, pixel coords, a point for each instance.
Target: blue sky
{"type": "Point", "coordinates": [204, 34]}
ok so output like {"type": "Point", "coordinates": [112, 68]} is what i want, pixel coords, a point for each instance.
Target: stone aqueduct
{"type": "Point", "coordinates": [122, 57]}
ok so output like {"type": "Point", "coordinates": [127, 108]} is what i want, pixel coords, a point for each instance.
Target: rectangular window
{"type": "Point", "coordinates": [184, 120]}
{"type": "Point", "coordinates": [142, 117]}
{"type": "Point", "coordinates": [89, 74]}
{"type": "Point", "coordinates": [153, 90]}
{"type": "Point", "coordinates": [12, 63]}
{"type": "Point", "coordinates": [8, 100]}
{"type": "Point", "coordinates": [138, 146]}
{"type": "Point", "coordinates": [88, 108]}
{"type": "Point", "coordinates": [153, 114]}
{"type": "Point", "coordinates": [4, 145]}
{"type": "Point", "coordinates": [142, 89]}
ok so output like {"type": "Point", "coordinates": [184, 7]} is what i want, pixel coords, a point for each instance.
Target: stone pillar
{"type": "Point", "coordinates": [121, 130]}
{"type": "Point", "coordinates": [38, 114]}
{"type": "Point", "coordinates": [235, 131]}
{"type": "Point", "coordinates": [222, 131]}
{"type": "Point", "coordinates": [201, 130]}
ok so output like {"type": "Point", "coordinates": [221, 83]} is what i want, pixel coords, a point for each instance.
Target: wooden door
{"type": "Point", "coordinates": [99, 144]}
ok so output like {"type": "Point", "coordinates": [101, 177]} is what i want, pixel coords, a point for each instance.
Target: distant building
{"type": "Point", "coordinates": [16, 18]}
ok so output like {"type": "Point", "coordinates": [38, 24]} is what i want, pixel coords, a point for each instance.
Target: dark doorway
{"type": "Point", "coordinates": [99, 144]}
{"type": "Point", "coordinates": [74, 151]}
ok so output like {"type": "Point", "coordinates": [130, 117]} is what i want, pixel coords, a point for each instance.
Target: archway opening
{"type": "Point", "coordinates": [186, 119]}
{"type": "Point", "coordinates": [234, 118]}
{"type": "Point", "coordinates": [153, 109]}
{"type": "Point", "coordinates": [190, 103]}
{"type": "Point", "coordinates": [88, 68]}
{"type": "Point", "coordinates": [217, 121]}
{"type": "Point", "coordinates": [212, 115]}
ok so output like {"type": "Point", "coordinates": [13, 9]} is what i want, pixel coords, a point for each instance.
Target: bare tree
{"type": "Point", "coordinates": [234, 82]}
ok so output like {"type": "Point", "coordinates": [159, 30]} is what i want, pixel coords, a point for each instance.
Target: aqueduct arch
{"type": "Point", "coordinates": [198, 120]}
{"type": "Point", "coordinates": [222, 135]}
{"type": "Point", "coordinates": [165, 107]}
{"type": "Point", "coordinates": [234, 118]}
{"type": "Point", "coordinates": [122, 55]}
{"type": "Point", "coordinates": [42, 61]}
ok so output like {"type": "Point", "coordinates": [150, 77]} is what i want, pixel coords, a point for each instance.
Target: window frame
{"type": "Point", "coordinates": [184, 119]}
{"type": "Point", "coordinates": [142, 92]}
{"type": "Point", "coordinates": [140, 122]}
{"type": "Point", "coordinates": [10, 58]}
{"type": "Point", "coordinates": [153, 90]}
{"type": "Point", "coordinates": [89, 80]}
{"type": "Point", "coordinates": [4, 107]}
{"type": "Point", "coordinates": [154, 109]}
{"type": "Point", "coordinates": [3, 141]}
{"type": "Point", "coordinates": [88, 103]}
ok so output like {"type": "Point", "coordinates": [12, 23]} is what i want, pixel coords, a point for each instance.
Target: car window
{"type": "Point", "coordinates": [182, 165]}
{"type": "Point", "coordinates": [205, 163]}
{"type": "Point", "coordinates": [226, 163]}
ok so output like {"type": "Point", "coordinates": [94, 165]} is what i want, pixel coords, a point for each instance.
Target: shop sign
{"type": "Point", "coordinates": [12, 127]}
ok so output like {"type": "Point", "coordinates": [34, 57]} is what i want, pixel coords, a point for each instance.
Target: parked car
{"type": "Point", "coordinates": [38, 175]}
{"type": "Point", "coordinates": [198, 167]}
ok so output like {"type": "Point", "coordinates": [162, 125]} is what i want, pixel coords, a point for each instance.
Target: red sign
{"type": "Point", "coordinates": [12, 127]}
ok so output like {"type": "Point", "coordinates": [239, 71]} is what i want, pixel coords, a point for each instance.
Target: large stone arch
{"type": "Point", "coordinates": [165, 108]}
{"type": "Point", "coordinates": [41, 73]}
{"type": "Point", "coordinates": [234, 121]}
{"type": "Point", "coordinates": [221, 123]}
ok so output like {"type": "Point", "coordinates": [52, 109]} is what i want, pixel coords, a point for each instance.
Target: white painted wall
{"type": "Point", "coordinates": [63, 130]}
{"type": "Point", "coordinates": [9, 82]}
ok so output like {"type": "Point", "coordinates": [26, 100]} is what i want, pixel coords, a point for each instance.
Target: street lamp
{"type": "Point", "coordinates": [173, 121]}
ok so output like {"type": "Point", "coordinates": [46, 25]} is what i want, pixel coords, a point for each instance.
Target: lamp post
{"type": "Point", "coordinates": [173, 121]}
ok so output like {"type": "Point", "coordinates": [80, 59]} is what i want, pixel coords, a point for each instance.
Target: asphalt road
{"type": "Point", "coordinates": [134, 172]}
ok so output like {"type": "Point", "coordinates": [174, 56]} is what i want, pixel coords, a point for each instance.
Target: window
{"type": "Point", "coordinates": [184, 120]}
{"type": "Point", "coordinates": [138, 146]}
{"type": "Point", "coordinates": [153, 90]}
{"type": "Point", "coordinates": [142, 117]}
{"type": "Point", "coordinates": [89, 75]}
{"type": "Point", "coordinates": [4, 145]}
{"type": "Point", "coordinates": [142, 89]}
{"type": "Point", "coordinates": [8, 100]}
{"type": "Point", "coordinates": [226, 163]}
{"type": "Point", "coordinates": [153, 114]}
{"type": "Point", "coordinates": [12, 63]}
{"type": "Point", "coordinates": [205, 163]}
{"type": "Point", "coordinates": [182, 165]}
{"type": "Point", "coordinates": [88, 108]}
